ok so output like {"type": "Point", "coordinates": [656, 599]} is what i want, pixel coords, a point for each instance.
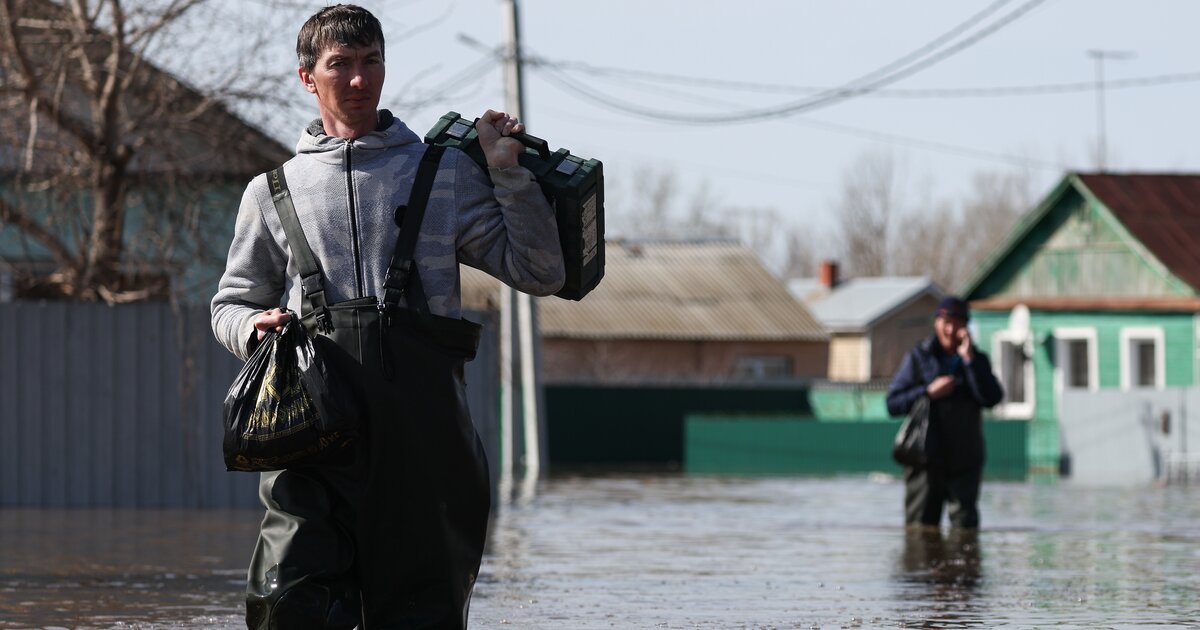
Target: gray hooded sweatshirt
{"type": "Point", "coordinates": [346, 193]}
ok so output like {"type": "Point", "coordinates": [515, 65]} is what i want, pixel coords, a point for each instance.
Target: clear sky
{"type": "Point", "coordinates": [688, 59]}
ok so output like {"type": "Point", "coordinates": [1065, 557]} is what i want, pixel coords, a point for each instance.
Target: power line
{"type": "Point", "coordinates": [889, 73]}
{"type": "Point", "coordinates": [645, 77]}
{"type": "Point", "coordinates": [466, 77]}
{"type": "Point", "coordinates": [895, 139]}
{"type": "Point", "coordinates": [932, 145]}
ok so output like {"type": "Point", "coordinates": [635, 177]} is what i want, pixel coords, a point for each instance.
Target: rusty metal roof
{"type": "Point", "coordinates": [1161, 211]}
{"type": "Point", "coordinates": [676, 291]}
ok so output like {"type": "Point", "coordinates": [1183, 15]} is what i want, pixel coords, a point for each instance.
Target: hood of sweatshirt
{"type": "Point", "coordinates": [390, 132]}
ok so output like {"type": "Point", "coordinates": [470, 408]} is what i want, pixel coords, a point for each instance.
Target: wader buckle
{"type": "Point", "coordinates": [385, 314]}
{"type": "Point", "coordinates": [324, 321]}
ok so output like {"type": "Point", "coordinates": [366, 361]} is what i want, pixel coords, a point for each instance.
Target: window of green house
{"type": "Point", "coordinates": [1142, 358]}
{"type": "Point", "coordinates": [1145, 352]}
{"type": "Point", "coordinates": [1011, 360]}
{"type": "Point", "coordinates": [1078, 351]}
{"type": "Point", "coordinates": [1014, 372]}
{"type": "Point", "coordinates": [1075, 363]}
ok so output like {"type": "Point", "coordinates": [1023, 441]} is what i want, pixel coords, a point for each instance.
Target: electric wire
{"type": "Point", "coordinates": [905, 66]}
{"type": "Point", "coordinates": [468, 76]}
{"type": "Point", "coordinates": [933, 145]}
{"type": "Point", "coordinates": [889, 138]}
{"type": "Point", "coordinates": [644, 78]}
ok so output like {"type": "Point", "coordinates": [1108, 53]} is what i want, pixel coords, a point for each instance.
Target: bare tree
{"type": "Point", "coordinates": [870, 200]}
{"type": "Point", "coordinates": [927, 243]}
{"type": "Point", "coordinates": [108, 162]}
{"type": "Point", "coordinates": [882, 233]}
{"type": "Point", "coordinates": [800, 255]}
{"type": "Point", "coordinates": [949, 244]}
{"type": "Point", "coordinates": [651, 205]}
{"type": "Point", "coordinates": [997, 202]}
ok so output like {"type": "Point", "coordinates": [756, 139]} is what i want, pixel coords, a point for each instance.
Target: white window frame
{"type": "Point", "coordinates": [1143, 333]}
{"type": "Point", "coordinates": [1061, 337]}
{"type": "Point", "coordinates": [1008, 409]}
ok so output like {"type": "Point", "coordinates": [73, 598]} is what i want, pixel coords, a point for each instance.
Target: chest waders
{"type": "Point", "coordinates": [392, 538]}
{"type": "Point", "coordinates": [951, 480]}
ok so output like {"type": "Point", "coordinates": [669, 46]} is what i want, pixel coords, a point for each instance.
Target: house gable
{"type": "Point", "coordinates": [1073, 246]}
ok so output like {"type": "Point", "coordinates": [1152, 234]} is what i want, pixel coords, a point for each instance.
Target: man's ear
{"type": "Point", "coordinates": [306, 78]}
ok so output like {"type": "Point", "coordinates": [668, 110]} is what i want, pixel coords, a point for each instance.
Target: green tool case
{"type": "Point", "coordinates": [573, 185]}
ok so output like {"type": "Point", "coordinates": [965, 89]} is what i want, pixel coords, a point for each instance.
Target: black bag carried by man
{"type": "Point", "coordinates": [287, 408]}
{"type": "Point", "coordinates": [911, 446]}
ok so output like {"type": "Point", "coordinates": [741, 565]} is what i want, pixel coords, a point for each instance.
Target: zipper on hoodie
{"type": "Point", "coordinates": [354, 249]}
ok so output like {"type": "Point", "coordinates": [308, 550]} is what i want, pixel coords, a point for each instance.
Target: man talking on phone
{"type": "Point", "coordinates": [957, 378]}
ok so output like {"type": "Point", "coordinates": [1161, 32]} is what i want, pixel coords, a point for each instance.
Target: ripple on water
{"type": "Point", "coordinates": [675, 551]}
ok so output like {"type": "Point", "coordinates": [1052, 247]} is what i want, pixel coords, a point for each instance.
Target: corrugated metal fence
{"type": "Point", "coordinates": [121, 406]}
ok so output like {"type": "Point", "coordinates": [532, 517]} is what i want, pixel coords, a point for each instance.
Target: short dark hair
{"type": "Point", "coordinates": [340, 24]}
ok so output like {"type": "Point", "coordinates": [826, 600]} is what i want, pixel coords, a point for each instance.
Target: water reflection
{"type": "Point", "coordinates": [674, 551]}
{"type": "Point", "coordinates": [104, 568]}
{"type": "Point", "coordinates": [942, 572]}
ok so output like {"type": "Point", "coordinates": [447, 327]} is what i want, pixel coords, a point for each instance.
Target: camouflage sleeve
{"type": "Point", "coordinates": [507, 229]}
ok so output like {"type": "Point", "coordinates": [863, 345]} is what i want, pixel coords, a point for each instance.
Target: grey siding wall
{"type": "Point", "coordinates": [121, 406]}
{"type": "Point", "coordinates": [1119, 438]}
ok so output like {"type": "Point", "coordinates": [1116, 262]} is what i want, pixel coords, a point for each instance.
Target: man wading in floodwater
{"type": "Point", "coordinates": [958, 379]}
{"type": "Point", "coordinates": [392, 539]}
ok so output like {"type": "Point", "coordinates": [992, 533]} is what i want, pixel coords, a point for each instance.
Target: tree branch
{"type": "Point", "coordinates": [165, 18]}
{"type": "Point", "coordinates": [30, 85]}
{"type": "Point", "coordinates": [12, 46]}
{"type": "Point", "coordinates": [108, 98]}
{"type": "Point", "coordinates": [11, 215]}
{"type": "Point", "coordinates": [81, 27]}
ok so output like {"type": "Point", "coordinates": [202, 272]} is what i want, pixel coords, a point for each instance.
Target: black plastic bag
{"type": "Point", "coordinates": [911, 444]}
{"type": "Point", "coordinates": [287, 408]}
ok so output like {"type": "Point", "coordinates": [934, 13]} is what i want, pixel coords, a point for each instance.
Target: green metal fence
{"type": "Point", "coordinates": [849, 402]}
{"type": "Point", "coordinates": [623, 426]}
{"type": "Point", "coordinates": [798, 445]}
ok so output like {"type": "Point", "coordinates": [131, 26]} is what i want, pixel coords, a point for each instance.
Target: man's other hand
{"type": "Point", "coordinates": [941, 387]}
{"type": "Point", "coordinates": [273, 319]}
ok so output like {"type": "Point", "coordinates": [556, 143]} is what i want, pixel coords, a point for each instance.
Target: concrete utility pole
{"type": "Point", "coordinates": [1101, 131]}
{"type": "Point", "coordinates": [512, 300]}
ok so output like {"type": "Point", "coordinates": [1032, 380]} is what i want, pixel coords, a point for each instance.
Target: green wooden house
{"type": "Point", "coordinates": [1098, 288]}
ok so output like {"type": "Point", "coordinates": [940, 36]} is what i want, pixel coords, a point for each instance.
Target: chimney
{"type": "Point", "coordinates": [829, 274]}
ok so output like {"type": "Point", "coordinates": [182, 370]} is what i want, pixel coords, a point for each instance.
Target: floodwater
{"type": "Point", "coordinates": [676, 551]}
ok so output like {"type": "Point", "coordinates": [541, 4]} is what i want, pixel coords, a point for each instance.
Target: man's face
{"type": "Point", "coordinates": [948, 329]}
{"type": "Point", "coordinates": [347, 81]}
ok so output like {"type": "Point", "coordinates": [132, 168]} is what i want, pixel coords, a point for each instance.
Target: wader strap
{"type": "Point", "coordinates": [312, 283]}
{"type": "Point", "coordinates": [402, 275]}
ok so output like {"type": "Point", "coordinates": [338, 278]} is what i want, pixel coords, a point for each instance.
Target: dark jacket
{"type": "Point", "coordinates": [956, 421]}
